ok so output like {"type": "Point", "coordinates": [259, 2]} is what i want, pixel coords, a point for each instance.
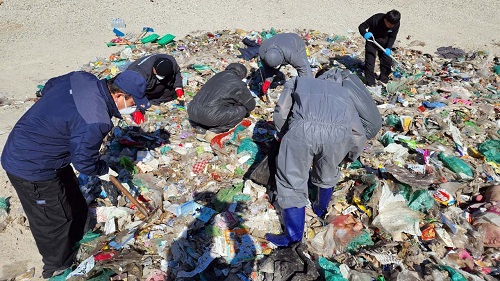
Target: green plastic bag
{"type": "Point", "coordinates": [128, 164]}
{"type": "Point", "coordinates": [491, 150]}
{"type": "Point", "coordinates": [386, 139]}
{"type": "Point", "coordinates": [421, 201]}
{"type": "Point", "coordinates": [250, 147]}
{"type": "Point", "coordinates": [393, 121]}
{"type": "Point", "coordinates": [364, 239]}
{"type": "Point", "coordinates": [225, 196]}
{"type": "Point", "coordinates": [356, 165]}
{"type": "Point", "coordinates": [367, 193]}
{"type": "Point", "coordinates": [456, 164]}
{"type": "Point", "coordinates": [404, 190]}
{"type": "Point", "coordinates": [454, 275]}
{"type": "Point", "coordinates": [4, 205]}
{"type": "Point", "coordinates": [104, 276]}
{"type": "Point", "coordinates": [496, 69]}
{"type": "Point", "coordinates": [331, 270]}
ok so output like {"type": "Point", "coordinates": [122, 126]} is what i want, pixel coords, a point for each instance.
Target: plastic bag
{"type": "Point", "coordinates": [454, 275]}
{"type": "Point", "coordinates": [491, 150]}
{"type": "Point", "coordinates": [250, 147]}
{"type": "Point", "coordinates": [395, 217]}
{"type": "Point", "coordinates": [265, 170]}
{"type": "Point", "coordinates": [331, 270]}
{"type": "Point", "coordinates": [457, 165]}
{"type": "Point", "coordinates": [393, 121]}
{"type": "Point", "coordinates": [421, 201]}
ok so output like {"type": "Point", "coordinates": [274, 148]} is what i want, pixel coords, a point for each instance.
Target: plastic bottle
{"type": "Point", "coordinates": [456, 164]}
{"type": "Point", "coordinates": [117, 23]}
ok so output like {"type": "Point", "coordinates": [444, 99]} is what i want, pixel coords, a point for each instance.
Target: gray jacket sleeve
{"type": "Point", "coordinates": [364, 103]}
{"type": "Point", "coordinates": [359, 140]}
{"type": "Point", "coordinates": [298, 59]}
{"type": "Point", "coordinates": [284, 105]}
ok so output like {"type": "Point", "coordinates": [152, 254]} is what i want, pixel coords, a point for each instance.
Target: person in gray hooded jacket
{"type": "Point", "coordinates": [319, 127]}
{"type": "Point", "coordinates": [282, 49]}
{"type": "Point", "coordinates": [222, 102]}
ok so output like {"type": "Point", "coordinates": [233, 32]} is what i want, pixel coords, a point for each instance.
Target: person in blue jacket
{"type": "Point", "coordinates": [66, 126]}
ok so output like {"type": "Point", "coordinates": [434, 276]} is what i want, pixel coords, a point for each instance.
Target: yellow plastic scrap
{"type": "Point", "coordinates": [406, 122]}
{"type": "Point", "coordinates": [357, 201]}
{"type": "Point", "coordinates": [310, 233]}
{"type": "Point", "coordinates": [114, 70]}
{"type": "Point", "coordinates": [475, 153]}
{"type": "Point", "coordinates": [495, 166]}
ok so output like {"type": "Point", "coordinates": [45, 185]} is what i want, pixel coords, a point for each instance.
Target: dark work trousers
{"type": "Point", "coordinates": [371, 51]}
{"type": "Point", "coordinates": [57, 213]}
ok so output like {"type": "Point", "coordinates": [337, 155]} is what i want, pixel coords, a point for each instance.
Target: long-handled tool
{"type": "Point", "coordinates": [125, 192]}
{"type": "Point", "coordinates": [145, 30]}
{"type": "Point", "coordinates": [265, 96]}
{"type": "Point", "coordinates": [382, 48]}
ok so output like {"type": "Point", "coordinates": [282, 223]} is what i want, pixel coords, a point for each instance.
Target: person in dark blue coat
{"type": "Point", "coordinates": [66, 126]}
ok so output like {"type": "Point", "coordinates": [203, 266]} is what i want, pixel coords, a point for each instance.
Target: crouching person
{"type": "Point", "coordinates": [222, 102]}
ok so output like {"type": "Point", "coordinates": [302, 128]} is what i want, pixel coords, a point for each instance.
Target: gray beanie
{"type": "Point", "coordinates": [273, 57]}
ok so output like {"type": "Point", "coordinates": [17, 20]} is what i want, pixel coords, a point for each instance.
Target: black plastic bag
{"type": "Point", "coordinates": [263, 172]}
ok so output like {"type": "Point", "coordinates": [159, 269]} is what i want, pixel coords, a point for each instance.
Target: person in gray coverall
{"type": "Point", "coordinates": [282, 49]}
{"type": "Point", "coordinates": [222, 102]}
{"type": "Point", "coordinates": [318, 126]}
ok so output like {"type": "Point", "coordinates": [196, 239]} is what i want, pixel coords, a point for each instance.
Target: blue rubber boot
{"type": "Point", "coordinates": [294, 219]}
{"type": "Point", "coordinates": [320, 206]}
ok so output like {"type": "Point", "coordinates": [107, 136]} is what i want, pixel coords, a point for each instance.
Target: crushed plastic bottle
{"type": "Point", "coordinates": [118, 23]}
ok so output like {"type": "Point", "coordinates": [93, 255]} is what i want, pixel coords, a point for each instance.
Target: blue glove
{"type": "Point", "coordinates": [388, 51]}
{"type": "Point", "coordinates": [368, 35]}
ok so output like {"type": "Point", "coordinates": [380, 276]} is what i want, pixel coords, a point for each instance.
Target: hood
{"type": "Point", "coordinates": [238, 68]}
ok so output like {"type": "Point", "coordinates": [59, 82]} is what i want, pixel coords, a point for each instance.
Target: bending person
{"type": "Point", "coordinates": [283, 49]}
{"type": "Point", "coordinates": [66, 126]}
{"type": "Point", "coordinates": [318, 127]}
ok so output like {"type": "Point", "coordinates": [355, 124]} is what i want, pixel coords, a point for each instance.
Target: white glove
{"type": "Point", "coordinates": [277, 136]}
{"type": "Point", "coordinates": [110, 172]}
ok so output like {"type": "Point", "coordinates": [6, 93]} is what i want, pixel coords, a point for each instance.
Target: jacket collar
{"type": "Point", "coordinates": [110, 103]}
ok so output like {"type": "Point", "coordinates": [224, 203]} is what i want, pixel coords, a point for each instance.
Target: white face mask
{"type": "Point", "coordinates": [159, 77]}
{"type": "Point", "coordinates": [127, 109]}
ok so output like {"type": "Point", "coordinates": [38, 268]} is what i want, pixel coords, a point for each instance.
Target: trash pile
{"type": "Point", "coordinates": [421, 203]}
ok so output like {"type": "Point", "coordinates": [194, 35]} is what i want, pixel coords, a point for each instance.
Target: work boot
{"type": "Point", "coordinates": [293, 220]}
{"type": "Point", "coordinates": [320, 206]}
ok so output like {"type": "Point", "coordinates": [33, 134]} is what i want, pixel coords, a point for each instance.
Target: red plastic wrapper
{"type": "Point", "coordinates": [104, 256]}
{"type": "Point", "coordinates": [444, 197]}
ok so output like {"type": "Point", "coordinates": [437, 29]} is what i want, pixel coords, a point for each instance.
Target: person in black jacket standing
{"type": "Point", "coordinates": [222, 102]}
{"type": "Point", "coordinates": [383, 28]}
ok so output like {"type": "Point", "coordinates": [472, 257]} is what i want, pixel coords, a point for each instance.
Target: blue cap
{"type": "Point", "coordinates": [132, 83]}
